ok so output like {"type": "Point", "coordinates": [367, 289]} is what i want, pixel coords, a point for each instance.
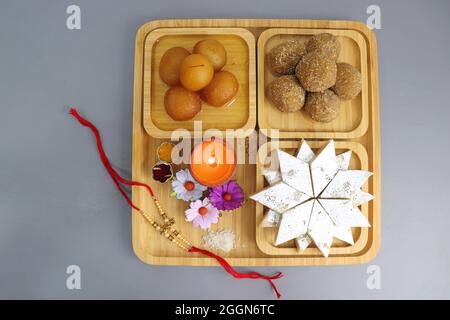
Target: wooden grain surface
{"type": "Point", "coordinates": [152, 248]}
{"type": "Point", "coordinates": [241, 62]}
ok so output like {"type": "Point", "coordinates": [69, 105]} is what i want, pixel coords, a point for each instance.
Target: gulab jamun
{"type": "Point", "coordinates": [182, 104]}
{"type": "Point", "coordinates": [196, 72]}
{"type": "Point", "coordinates": [169, 66]}
{"type": "Point", "coordinates": [286, 93]}
{"type": "Point", "coordinates": [214, 51]}
{"type": "Point", "coordinates": [221, 90]}
{"type": "Point", "coordinates": [316, 72]}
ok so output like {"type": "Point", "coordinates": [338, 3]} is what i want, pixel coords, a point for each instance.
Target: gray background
{"type": "Point", "coordinates": [58, 206]}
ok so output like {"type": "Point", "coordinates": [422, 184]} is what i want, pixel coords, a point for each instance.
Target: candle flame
{"type": "Point", "coordinates": [212, 160]}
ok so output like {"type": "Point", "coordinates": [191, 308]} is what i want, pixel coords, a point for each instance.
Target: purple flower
{"type": "Point", "coordinates": [228, 196]}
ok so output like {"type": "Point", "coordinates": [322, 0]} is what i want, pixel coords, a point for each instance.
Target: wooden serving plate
{"type": "Point", "coordinates": [151, 248]}
{"type": "Point", "coordinates": [353, 118]}
{"type": "Point", "coordinates": [241, 114]}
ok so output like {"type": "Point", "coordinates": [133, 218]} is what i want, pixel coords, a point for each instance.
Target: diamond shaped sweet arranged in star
{"type": "Point", "coordinates": [314, 197]}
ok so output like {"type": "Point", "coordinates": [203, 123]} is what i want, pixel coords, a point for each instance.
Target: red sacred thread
{"type": "Point", "coordinates": [113, 173]}
{"type": "Point", "coordinates": [117, 179]}
{"type": "Point", "coordinates": [238, 275]}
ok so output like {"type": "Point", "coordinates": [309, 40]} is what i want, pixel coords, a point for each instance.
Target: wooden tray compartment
{"type": "Point", "coordinates": [353, 119]}
{"type": "Point", "coordinates": [265, 237]}
{"type": "Point", "coordinates": [241, 114]}
{"type": "Point", "coordinates": [151, 248]}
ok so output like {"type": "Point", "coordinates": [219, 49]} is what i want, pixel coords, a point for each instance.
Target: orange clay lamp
{"type": "Point", "coordinates": [213, 162]}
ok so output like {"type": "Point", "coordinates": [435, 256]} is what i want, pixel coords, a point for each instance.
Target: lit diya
{"type": "Point", "coordinates": [213, 162]}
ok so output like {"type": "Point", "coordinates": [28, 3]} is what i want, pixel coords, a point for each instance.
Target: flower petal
{"type": "Point", "coordinates": [218, 205]}
{"type": "Point", "coordinates": [179, 189]}
{"type": "Point", "coordinates": [212, 209]}
{"type": "Point", "coordinates": [195, 222]}
{"type": "Point", "coordinates": [189, 177]}
{"type": "Point", "coordinates": [191, 214]}
{"type": "Point", "coordinates": [231, 186]}
{"type": "Point", "coordinates": [182, 176]}
{"type": "Point", "coordinates": [225, 187]}
{"type": "Point", "coordinates": [228, 205]}
{"type": "Point", "coordinates": [199, 186]}
{"type": "Point", "coordinates": [196, 204]}
{"type": "Point", "coordinates": [176, 183]}
{"type": "Point", "coordinates": [194, 195]}
{"type": "Point", "coordinates": [213, 197]}
{"type": "Point", "coordinates": [185, 196]}
{"type": "Point", "coordinates": [214, 219]}
{"type": "Point", "coordinates": [215, 194]}
{"type": "Point", "coordinates": [204, 224]}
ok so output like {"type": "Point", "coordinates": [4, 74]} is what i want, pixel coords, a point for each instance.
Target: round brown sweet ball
{"type": "Point", "coordinates": [214, 51]}
{"type": "Point", "coordinates": [283, 58]}
{"type": "Point", "coordinates": [326, 43]}
{"type": "Point", "coordinates": [196, 72]}
{"type": "Point", "coordinates": [348, 81]}
{"type": "Point", "coordinates": [286, 93]}
{"type": "Point", "coordinates": [322, 106]}
{"type": "Point", "coordinates": [169, 66]}
{"type": "Point", "coordinates": [182, 104]}
{"type": "Point", "coordinates": [316, 72]}
{"type": "Point", "coordinates": [221, 90]}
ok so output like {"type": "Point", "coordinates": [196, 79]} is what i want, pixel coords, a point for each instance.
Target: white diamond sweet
{"type": "Point", "coordinates": [314, 197]}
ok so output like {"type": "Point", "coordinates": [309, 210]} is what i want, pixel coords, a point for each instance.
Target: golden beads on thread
{"type": "Point", "coordinates": [167, 228]}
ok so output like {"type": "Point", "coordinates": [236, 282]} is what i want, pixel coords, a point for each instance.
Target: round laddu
{"type": "Point", "coordinates": [316, 72]}
{"type": "Point", "coordinates": [286, 93]}
{"type": "Point", "coordinates": [326, 43]}
{"type": "Point", "coordinates": [283, 58]}
{"type": "Point", "coordinates": [322, 106]}
{"type": "Point", "coordinates": [348, 81]}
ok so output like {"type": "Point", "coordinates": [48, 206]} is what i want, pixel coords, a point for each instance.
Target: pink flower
{"type": "Point", "coordinates": [202, 214]}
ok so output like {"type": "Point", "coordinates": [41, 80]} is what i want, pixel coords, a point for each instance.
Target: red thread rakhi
{"type": "Point", "coordinates": [168, 228]}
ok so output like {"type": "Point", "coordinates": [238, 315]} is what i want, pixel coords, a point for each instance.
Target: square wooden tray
{"type": "Point", "coordinates": [265, 237]}
{"type": "Point", "coordinates": [353, 120]}
{"type": "Point", "coordinates": [241, 61]}
{"type": "Point", "coordinates": [151, 248]}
